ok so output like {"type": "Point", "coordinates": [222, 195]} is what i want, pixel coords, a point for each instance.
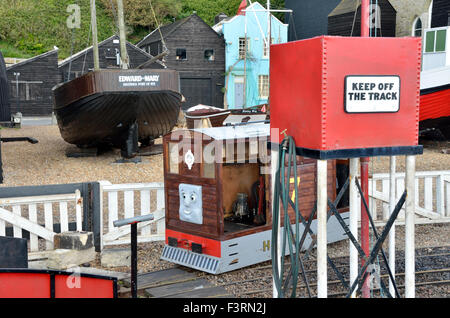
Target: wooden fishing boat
{"type": "Point", "coordinates": [104, 107]}
{"type": "Point", "coordinates": [216, 117]}
{"type": "Point", "coordinates": [117, 107]}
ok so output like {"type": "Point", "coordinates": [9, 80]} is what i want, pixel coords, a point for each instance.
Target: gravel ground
{"type": "Point", "coordinates": [46, 163]}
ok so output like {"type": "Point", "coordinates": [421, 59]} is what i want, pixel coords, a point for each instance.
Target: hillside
{"type": "Point", "coordinates": [31, 27]}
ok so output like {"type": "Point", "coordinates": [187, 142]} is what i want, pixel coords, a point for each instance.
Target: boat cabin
{"type": "Point", "coordinates": [217, 182]}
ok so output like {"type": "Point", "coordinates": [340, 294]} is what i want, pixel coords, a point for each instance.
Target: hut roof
{"type": "Point", "coordinates": [55, 50]}
{"type": "Point", "coordinates": [113, 37]}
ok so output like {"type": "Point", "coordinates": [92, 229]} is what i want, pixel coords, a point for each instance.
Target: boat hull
{"type": "Point", "coordinates": [435, 110]}
{"type": "Point", "coordinates": [98, 109]}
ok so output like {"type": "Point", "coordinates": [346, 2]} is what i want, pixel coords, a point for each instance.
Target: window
{"type": "Point", "coordinates": [263, 86]}
{"type": "Point", "coordinates": [435, 41]}
{"type": "Point", "coordinates": [181, 54]}
{"type": "Point", "coordinates": [266, 48]}
{"type": "Point", "coordinates": [209, 162]}
{"type": "Point", "coordinates": [174, 158]}
{"type": "Point", "coordinates": [243, 43]}
{"type": "Point", "coordinates": [209, 55]}
{"type": "Point", "coordinates": [30, 91]}
{"type": "Point", "coordinates": [417, 27]}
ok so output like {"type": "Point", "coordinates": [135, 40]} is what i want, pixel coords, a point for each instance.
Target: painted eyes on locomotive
{"type": "Point", "coordinates": [193, 197]}
{"type": "Point", "coordinates": [191, 205]}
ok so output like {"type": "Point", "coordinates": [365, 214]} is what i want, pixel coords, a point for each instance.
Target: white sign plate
{"type": "Point", "coordinates": [372, 94]}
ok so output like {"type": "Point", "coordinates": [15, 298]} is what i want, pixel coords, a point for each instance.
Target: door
{"type": "Point", "coordinates": [239, 92]}
{"type": "Point", "coordinates": [196, 91]}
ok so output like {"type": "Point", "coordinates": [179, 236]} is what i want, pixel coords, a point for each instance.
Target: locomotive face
{"type": "Point", "coordinates": [191, 203]}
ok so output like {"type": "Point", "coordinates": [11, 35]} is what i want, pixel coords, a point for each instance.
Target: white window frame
{"type": "Point", "coordinates": [241, 48]}
{"type": "Point", "coordinates": [413, 31]}
{"type": "Point", "coordinates": [266, 49]}
{"type": "Point", "coordinates": [263, 87]}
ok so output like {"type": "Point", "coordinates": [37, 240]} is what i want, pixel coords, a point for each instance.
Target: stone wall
{"type": "Point", "coordinates": [407, 12]}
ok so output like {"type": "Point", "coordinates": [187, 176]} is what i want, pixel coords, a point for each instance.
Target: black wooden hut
{"type": "Point", "coordinates": [109, 57]}
{"type": "Point", "coordinates": [197, 52]}
{"type": "Point", "coordinates": [310, 17]}
{"type": "Point", "coordinates": [345, 19]}
{"type": "Point", "coordinates": [5, 106]}
{"type": "Point", "coordinates": [31, 82]}
{"type": "Point", "coordinates": [440, 14]}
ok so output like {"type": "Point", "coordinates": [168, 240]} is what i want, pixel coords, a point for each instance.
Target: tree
{"type": "Point", "coordinates": [139, 13]}
{"type": "Point", "coordinates": [208, 9]}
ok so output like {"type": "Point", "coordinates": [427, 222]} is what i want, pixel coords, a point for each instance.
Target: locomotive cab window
{"type": "Point", "coordinates": [174, 155]}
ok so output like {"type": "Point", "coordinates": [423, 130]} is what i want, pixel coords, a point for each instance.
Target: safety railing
{"type": "Point", "coordinates": [123, 201]}
{"type": "Point", "coordinates": [37, 216]}
{"type": "Point", "coordinates": [432, 197]}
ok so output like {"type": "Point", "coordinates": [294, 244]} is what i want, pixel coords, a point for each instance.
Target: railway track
{"type": "Point", "coordinates": [432, 269]}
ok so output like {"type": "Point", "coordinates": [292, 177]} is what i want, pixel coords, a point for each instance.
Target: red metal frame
{"type": "Point", "coordinates": [30, 283]}
{"type": "Point", "coordinates": [209, 246]}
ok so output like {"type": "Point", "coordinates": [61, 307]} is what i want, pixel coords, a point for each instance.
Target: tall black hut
{"type": "Point", "coordinates": [345, 19]}
{"type": "Point", "coordinates": [440, 13]}
{"type": "Point", "coordinates": [197, 52]}
{"type": "Point", "coordinates": [5, 106]}
{"type": "Point", "coordinates": [31, 82]}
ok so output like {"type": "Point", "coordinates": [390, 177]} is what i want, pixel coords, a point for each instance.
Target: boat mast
{"type": "Point", "coordinates": [94, 36]}
{"type": "Point", "coordinates": [245, 63]}
{"type": "Point", "coordinates": [123, 44]}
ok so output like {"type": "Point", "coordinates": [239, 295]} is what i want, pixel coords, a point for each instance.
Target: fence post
{"type": "Point", "coordinates": [97, 215]}
{"type": "Point", "coordinates": [440, 195]}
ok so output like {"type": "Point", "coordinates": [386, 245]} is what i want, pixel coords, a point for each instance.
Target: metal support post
{"type": "Point", "coordinates": [409, 227]}
{"type": "Point", "coordinates": [365, 17]}
{"type": "Point", "coordinates": [273, 166]}
{"type": "Point", "coordinates": [392, 187]}
{"type": "Point", "coordinates": [134, 260]}
{"type": "Point", "coordinates": [133, 223]}
{"type": "Point", "coordinates": [365, 240]}
{"type": "Point", "coordinates": [322, 279]}
{"type": "Point", "coordinates": [353, 222]}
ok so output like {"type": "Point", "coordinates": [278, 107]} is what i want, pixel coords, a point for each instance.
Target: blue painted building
{"type": "Point", "coordinates": [247, 55]}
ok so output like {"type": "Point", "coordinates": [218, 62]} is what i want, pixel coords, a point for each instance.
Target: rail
{"type": "Point", "coordinates": [432, 197]}
{"type": "Point", "coordinates": [119, 201]}
{"type": "Point", "coordinates": [37, 216]}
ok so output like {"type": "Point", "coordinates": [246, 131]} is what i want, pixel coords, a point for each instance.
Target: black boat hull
{"type": "Point", "coordinates": [101, 112]}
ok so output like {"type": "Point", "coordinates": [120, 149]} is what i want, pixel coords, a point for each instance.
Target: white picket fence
{"type": "Point", "coordinates": [38, 214]}
{"type": "Point", "coordinates": [122, 201]}
{"type": "Point", "coordinates": [432, 197]}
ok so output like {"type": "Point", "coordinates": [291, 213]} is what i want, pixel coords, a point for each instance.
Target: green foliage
{"type": "Point", "coordinates": [34, 27]}
{"type": "Point", "coordinates": [139, 13]}
{"type": "Point", "coordinates": [31, 27]}
{"type": "Point", "coordinates": [208, 9]}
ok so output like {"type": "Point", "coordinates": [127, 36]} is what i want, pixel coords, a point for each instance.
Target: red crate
{"type": "Point", "coordinates": [309, 98]}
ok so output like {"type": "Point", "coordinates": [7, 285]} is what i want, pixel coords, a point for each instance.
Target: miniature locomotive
{"type": "Point", "coordinates": [217, 192]}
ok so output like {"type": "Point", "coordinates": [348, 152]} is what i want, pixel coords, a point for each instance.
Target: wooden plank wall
{"type": "Point", "coordinates": [5, 104]}
{"type": "Point", "coordinates": [42, 68]}
{"type": "Point", "coordinates": [196, 36]}
{"type": "Point", "coordinates": [342, 25]}
{"type": "Point", "coordinates": [441, 13]}
{"type": "Point", "coordinates": [107, 55]}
